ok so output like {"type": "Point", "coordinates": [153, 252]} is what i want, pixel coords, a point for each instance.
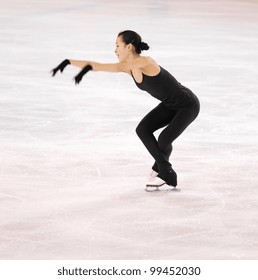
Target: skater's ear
{"type": "Point", "coordinates": [130, 47]}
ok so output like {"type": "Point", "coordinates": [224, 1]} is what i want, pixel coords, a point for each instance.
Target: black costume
{"type": "Point", "coordinates": [178, 108]}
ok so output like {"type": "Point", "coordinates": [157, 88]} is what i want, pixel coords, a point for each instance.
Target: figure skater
{"type": "Point", "coordinates": [178, 108]}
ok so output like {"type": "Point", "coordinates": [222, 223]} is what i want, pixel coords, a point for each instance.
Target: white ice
{"type": "Point", "coordinates": [72, 169]}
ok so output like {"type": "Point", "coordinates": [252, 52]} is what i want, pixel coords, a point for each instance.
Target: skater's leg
{"type": "Point", "coordinates": [154, 120]}
{"type": "Point", "coordinates": [177, 120]}
{"type": "Point", "coordinates": [182, 119]}
{"type": "Point", "coordinates": [179, 123]}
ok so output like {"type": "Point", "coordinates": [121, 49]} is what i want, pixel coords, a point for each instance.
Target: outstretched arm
{"type": "Point", "coordinates": [95, 66]}
{"type": "Point", "coordinates": [123, 66]}
{"type": "Point", "coordinates": [105, 67]}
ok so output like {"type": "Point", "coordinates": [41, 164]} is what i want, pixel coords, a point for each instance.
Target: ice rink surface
{"type": "Point", "coordinates": [72, 169]}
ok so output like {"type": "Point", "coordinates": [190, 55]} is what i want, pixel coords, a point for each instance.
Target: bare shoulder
{"type": "Point", "coordinates": [144, 60]}
{"type": "Point", "coordinates": [149, 66]}
{"type": "Point", "coordinates": [145, 65]}
{"type": "Point", "coordinates": [151, 60]}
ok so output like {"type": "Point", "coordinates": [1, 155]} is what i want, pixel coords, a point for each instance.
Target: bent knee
{"type": "Point", "coordinates": [139, 130]}
{"type": "Point", "coordinates": [142, 131]}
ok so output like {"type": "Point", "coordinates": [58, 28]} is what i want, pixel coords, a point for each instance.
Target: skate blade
{"type": "Point", "coordinates": [153, 188]}
{"type": "Point", "coordinates": [159, 189]}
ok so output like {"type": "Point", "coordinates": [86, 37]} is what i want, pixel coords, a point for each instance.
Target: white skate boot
{"type": "Point", "coordinates": [154, 181]}
{"type": "Point", "coordinates": [152, 175]}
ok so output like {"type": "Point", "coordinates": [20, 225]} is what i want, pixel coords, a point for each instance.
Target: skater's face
{"type": "Point", "coordinates": [122, 50]}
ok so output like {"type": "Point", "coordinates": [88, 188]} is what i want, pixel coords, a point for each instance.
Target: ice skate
{"type": "Point", "coordinates": [154, 183]}
{"type": "Point", "coordinates": [169, 176]}
{"type": "Point", "coordinates": [152, 175]}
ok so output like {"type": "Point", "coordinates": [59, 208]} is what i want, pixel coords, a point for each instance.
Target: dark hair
{"type": "Point", "coordinates": [131, 37]}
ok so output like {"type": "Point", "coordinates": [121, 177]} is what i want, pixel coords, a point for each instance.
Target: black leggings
{"type": "Point", "coordinates": [176, 120]}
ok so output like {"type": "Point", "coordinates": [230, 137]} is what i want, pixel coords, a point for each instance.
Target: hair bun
{"type": "Point", "coordinates": [143, 46]}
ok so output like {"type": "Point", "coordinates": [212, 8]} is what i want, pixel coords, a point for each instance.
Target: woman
{"type": "Point", "coordinates": [178, 107]}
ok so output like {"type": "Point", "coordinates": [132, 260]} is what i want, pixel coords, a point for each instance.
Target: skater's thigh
{"type": "Point", "coordinates": [157, 118]}
{"type": "Point", "coordinates": [178, 124]}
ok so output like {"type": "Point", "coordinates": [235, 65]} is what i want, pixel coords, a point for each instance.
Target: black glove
{"type": "Point", "coordinates": [78, 77]}
{"type": "Point", "coordinates": [60, 67]}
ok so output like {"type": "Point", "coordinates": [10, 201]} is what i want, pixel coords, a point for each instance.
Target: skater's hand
{"type": "Point", "coordinates": [78, 77]}
{"type": "Point", "coordinates": [60, 67]}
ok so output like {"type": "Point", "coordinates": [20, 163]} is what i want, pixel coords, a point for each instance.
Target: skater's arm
{"type": "Point", "coordinates": [79, 63]}
{"type": "Point", "coordinates": [96, 66]}
{"type": "Point", "coordinates": [124, 66]}
{"type": "Point", "coordinates": [111, 67]}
